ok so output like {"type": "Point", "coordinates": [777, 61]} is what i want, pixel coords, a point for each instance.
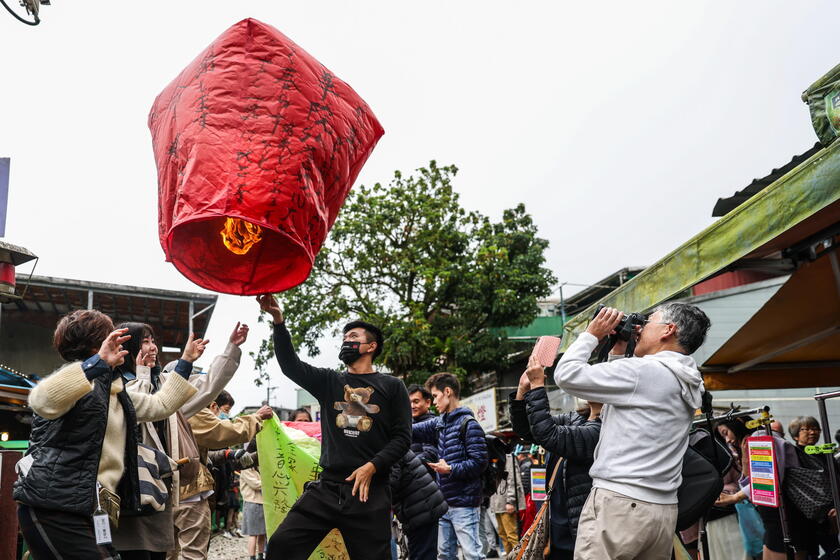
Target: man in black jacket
{"type": "Point", "coordinates": [418, 504]}
{"type": "Point", "coordinates": [421, 400]}
{"type": "Point", "coordinates": [365, 429]}
{"type": "Point", "coordinates": [570, 437]}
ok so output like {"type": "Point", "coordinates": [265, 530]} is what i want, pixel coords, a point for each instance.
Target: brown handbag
{"type": "Point", "coordinates": [187, 448]}
{"type": "Point", "coordinates": [534, 544]}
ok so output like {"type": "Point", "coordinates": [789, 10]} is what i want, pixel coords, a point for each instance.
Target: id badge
{"type": "Point", "coordinates": [102, 527]}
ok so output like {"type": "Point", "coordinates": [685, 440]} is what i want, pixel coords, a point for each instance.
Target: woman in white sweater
{"type": "Point", "coordinates": [84, 438]}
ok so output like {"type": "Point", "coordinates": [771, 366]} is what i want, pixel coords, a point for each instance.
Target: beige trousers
{"type": "Point", "coordinates": [192, 531]}
{"type": "Point", "coordinates": [507, 530]}
{"type": "Point", "coordinates": [615, 527]}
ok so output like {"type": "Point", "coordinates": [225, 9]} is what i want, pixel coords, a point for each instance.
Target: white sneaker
{"type": "Point", "coordinates": [227, 535]}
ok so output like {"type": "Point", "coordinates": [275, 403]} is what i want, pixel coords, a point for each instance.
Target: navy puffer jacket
{"type": "Point", "coordinates": [468, 459]}
{"type": "Point", "coordinates": [426, 452]}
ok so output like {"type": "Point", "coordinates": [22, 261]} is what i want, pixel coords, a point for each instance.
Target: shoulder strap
{"type": "Point", "coordinates": [463, 428]}
{"type": "Point", "coordinates": [553, 476]}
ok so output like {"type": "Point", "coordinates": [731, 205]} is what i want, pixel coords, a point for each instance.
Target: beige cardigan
{"type": "Point", "coordinates": [57, 394]}
{"type": "Point", "coordinates": [213, 433]}
{"type": "Point", "coordinates": [208, 386]}
{"type": "Point", "coordinates": [251, 486]}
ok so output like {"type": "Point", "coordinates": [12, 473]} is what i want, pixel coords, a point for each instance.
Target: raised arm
{"type": "Point", "coordinates": [219, 373]}
{"type": "Point", "coordinates": [175, 392]}
{"type": "Point", "coordinates": [568, 441]}
{"type": "Point", "coordinates": [212, 433]}
{"type": "Point", "coordinates": [425, 432]}
{"type": "Point", "coordinates": [608, 383]}
{"type": "Point", "coordinates": [313, 379]}
{"type": "Point", "coordinates": [516, 406]}
{"type": "Point", "coordinates": [166, 402]}
{"type": "Point", "coordinates": [57, 394]}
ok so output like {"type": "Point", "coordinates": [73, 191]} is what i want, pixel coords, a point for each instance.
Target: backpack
{"type": "Point", "coordinates": [494, 473]}
{"type": "Point", "coordinates": [705, 462]}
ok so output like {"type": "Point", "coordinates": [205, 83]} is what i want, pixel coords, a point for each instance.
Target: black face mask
{"type": "Point", "coordinates": [349, 352]}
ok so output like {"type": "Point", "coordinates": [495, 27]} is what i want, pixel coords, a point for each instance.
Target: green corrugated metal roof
{"type": "Point", "coordinates": [799, 194]}
{"type": "Point", "coordinates": [542, 326]}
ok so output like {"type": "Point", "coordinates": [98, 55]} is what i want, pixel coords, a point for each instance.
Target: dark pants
{"type": "Point", "coordinates": [422, 542]}
{"type": "Point", "coordinates": [55, 534]}
{"type": "Point", "coordinates": [325, 505]}
{"type": "Point", "coordinates": [141, 555]}
{"type": "Point", "coordinates": [558, 554]}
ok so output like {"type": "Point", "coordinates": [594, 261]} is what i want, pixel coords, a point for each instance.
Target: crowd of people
{"type": "Point", "coordinates": [130, 459]}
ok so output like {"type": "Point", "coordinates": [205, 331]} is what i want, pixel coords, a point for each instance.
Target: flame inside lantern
{"type": "Point", "coordinates": [239, 235]}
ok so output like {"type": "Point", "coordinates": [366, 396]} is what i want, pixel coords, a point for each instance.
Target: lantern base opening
{"type": "Point", "coordinates": [274, 264]}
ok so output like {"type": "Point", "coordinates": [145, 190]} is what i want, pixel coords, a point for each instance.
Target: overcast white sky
{"type": "Point", "coordinates": [619, 124]}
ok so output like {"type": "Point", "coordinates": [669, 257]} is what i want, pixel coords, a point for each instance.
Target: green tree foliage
{"type": "Point", "coordinates": [436, 278]}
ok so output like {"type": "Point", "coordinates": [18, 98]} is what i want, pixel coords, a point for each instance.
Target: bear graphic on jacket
{"type": "Point", "coordinates": [355, 409]}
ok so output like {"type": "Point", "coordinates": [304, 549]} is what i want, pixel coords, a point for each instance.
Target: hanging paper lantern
{"type": "Point", "coordinates": [257, 145]}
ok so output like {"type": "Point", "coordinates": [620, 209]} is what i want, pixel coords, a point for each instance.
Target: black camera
{"type": "Point", "coordinates": [625, 330]}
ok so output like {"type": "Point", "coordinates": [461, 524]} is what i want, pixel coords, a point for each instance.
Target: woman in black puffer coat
{"type": "Point", "coordinates": [571, 437]}
{"type": "Point", "coordinates": [418, 504]}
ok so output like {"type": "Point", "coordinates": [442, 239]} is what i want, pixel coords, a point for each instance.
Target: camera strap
{"type": "Point", "coordinates": [604, 352]}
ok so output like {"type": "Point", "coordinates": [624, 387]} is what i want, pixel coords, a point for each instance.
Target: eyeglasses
{"type": "Point", "coordinates": [655, 322]}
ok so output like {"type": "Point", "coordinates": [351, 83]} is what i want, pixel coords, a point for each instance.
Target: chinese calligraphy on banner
{"type": "Point", "coordinates": [289, 453]}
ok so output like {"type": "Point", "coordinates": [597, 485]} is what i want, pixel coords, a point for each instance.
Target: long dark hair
{"type": "Point", "coordinates": [137, 331]}
{"type": "Point", "coordinates": [739, 429]}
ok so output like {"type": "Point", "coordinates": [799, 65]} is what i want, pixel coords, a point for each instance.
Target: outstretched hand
{"type": "Point", "coordinates": [111, 351]}
{"type": "Point", "coordinates": [361, 480]}
{"type": "Point", "coordinates": [265, 412]}
{"type": "Point", "coordinates": [194, 348]}
{"type": "Point", "coordinates": [239, 334]}
{"type": "Point", "coordinates": [268, 304]}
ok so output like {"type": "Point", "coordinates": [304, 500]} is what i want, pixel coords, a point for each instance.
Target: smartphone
{"type": "Point", "coordinates": [545, 350]}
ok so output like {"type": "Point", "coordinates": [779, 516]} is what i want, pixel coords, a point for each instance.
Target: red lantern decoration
{"type": "Point", "coordinates": [257, 145]}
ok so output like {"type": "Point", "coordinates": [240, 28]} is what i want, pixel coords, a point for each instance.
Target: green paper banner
{"type": "Point", "coordinates": [289, 459]}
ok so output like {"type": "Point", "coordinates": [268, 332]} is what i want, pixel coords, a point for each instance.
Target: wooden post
{"type": "Point", "coordinates": [8, 508]}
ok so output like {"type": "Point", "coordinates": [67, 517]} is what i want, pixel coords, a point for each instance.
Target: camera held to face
{"type": "Point", "coordinates": [625, 330]}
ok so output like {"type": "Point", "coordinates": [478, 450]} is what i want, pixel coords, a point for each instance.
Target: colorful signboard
{"type": "Point", "coordinates": [538, 484]}
{"type": "Point", "coordinates": [764, 479]}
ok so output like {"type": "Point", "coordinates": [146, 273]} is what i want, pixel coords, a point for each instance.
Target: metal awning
{"type": "Point", "coordinates": [173, 314]}
{"type": "Point", "coordinates": [792, 341]}
{"type": "Point", "coordinates": [800, 204]}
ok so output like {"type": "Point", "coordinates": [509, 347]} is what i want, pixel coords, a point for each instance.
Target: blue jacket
{"type": "Point", "coordinates": [426, 452]}
{"type": "Point", "coordinates": [468, 459]}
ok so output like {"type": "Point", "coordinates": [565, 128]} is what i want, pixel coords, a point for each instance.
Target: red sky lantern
{"type": "Point", "coordinates": [257, 145]}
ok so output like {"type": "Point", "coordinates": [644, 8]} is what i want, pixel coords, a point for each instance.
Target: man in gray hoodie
{"type": "Point", "coordinates": [649, 401]}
